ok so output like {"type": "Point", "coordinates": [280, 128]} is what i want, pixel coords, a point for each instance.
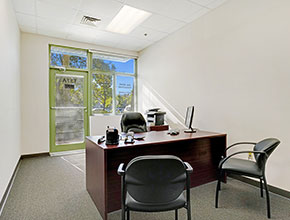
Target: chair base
{"type": "Point", "coordinates": [263, 178]}
{"type": "Point", "coordinates": [127, 211]}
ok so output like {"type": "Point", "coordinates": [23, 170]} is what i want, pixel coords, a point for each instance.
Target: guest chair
{"type": "Point", "coordinates": [155, 184]}
{"type": "Point", "coordinates": [133, 121]}
{"type": "Point", "coordinates": [256, 169]}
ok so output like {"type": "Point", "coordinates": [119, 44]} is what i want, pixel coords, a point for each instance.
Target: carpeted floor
{"type": "Point", "coordinates": [53, 188]}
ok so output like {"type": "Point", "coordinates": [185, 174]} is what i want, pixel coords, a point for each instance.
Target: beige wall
{"type": "Point", "coordinates": [99, 124]}
{"type": "Point", "coordinates": [35, 93]}
{"type": "Point", "coordinates": [9, 94]}
{"type": "Point", "coordinates": [233, 65]}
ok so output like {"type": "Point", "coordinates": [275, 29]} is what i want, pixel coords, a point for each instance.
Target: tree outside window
{"type": "Point", "coordinates": [113, 85]}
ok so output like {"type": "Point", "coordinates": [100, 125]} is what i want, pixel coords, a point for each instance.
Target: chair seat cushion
{"type": "Point", "coordinates": [242, 166]}
{"type": "Point", "coordinates": [134, 205]}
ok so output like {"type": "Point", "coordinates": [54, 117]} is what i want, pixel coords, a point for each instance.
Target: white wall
{"type": "Point", "coordinates": [34, 89]}
{"type": "Point", "coordinates": [9, 94]}
{"type": "Point", "coordinates": [99, 124]}
{"type": "Point", "coordinates": [233, 65]}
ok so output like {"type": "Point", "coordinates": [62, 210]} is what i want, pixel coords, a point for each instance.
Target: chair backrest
{"type": "Point", "coordinates": [268, 146]}
{"type": "Point", "coordinates": [133, 121]}
{"type": "Point", "coordinates": [155, 179]}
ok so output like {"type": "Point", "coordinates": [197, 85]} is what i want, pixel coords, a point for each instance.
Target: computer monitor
{"type": "Point", "coordinates": [188, 119]}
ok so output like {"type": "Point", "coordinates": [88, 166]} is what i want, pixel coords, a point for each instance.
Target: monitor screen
{"type": "Point", "coordinates": [189, 116]}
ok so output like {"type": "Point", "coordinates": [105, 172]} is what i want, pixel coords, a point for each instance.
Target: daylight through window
{"type": "Point", "coordinates": [113, 84]}
{"type": "Point", "coordinates": [113, 78]}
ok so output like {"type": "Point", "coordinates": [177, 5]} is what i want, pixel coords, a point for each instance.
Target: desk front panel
{"type": "Point", "coordinates": [203, 154]}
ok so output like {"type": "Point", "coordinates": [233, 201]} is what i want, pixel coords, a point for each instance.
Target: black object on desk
{"type": "Point", "coordinates": [188, 119]}
{"type": "Point", "coordinates": [173, 132]}
{"type": "Point", "coordinates": [112, 136]}
{"type": "Point", "coordinates": [101, 139]}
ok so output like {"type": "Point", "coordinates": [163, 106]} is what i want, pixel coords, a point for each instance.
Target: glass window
{"type": "Point", "coordinates": [113, 79]}
{"type": "Point", "coordinates": [68, 58]}
{"type": "Point", "coordinates": [116, 64]}
{"type": "Point", "coordinates": [124, 94]}
{"type": "Point", "coordinates": [113, 84]}
{"type": "Point", "coordinates": [102, 89]}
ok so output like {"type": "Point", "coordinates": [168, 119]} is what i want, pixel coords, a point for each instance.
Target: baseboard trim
{"type": "Point", "coordinates": [34, 155]}
{"type": "Point", "coordinates": [9, 186]}
{"type": "Point", "coordinates": [272, 189]}
{"type": "Point", "coordinates": [64, 153]}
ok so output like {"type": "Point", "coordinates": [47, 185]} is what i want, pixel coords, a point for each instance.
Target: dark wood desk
{"type": "Point", "coordinates": [202, 150]}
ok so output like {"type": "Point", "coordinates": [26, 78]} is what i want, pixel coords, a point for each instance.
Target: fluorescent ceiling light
{"type": "Point", "coordinates": [127, 19]}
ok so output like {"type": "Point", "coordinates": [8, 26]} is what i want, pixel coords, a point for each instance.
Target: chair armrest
{"type": "Point", "coordinates": [188, 167]}
{"type": "Point", "coordinates": [121, 170]}
{"type": "Point", "coordinates": [239, 143]}
{"type": "Point", "coordinates": [242, 152]}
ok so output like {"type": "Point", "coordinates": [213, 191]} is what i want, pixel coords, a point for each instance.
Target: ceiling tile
{"type": "Point", "coordinates": [72, 4]}
{"type": "Point", "coordinates": [202, 2]}
{"type": "Point", "coordinates": [148, 5]}
{"type": "Point", "coordinates": [216, 4]}
{"type": "Point", "coordinates": [55, 12]}
{"type": "Point", "coordinates": [101, 8]}
{"type": "Point", "coordinates": [86, 34]}
{"type": "Point", "coordinates": [51, 33]}
{"type": "Point", "coordinates": [198, 14]}
{"type": "Point", "coordinates": [28, 29]}
{"type": "Point", "coordinates": [24, 6]}
{"type": "Point", "coordinates": [143, 46]}
{"type": "Point", "coordinates": [108, 38]}
{"type": "Point", "coordinates": [162, 23]}
{"type": "Point", "coordinates": [104, 42]}
{"type": "Point", "coordinates": [61, 18]}
{"type": "Point", "coordinates": [80, 39]}
{"type": "Point", "coordinates": [131, 43]}
{"type": "Point", "coordinates": [50, 24]}
{"type": "Point", "coordinates": [151, 35]}
{"type": "Point", "coordinates": [180, 10]}
{"type": "Point", "coordinates": [26, 20]}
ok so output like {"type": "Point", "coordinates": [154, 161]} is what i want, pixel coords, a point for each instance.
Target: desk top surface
{"type": "Point", "coordinates": [155, 137]}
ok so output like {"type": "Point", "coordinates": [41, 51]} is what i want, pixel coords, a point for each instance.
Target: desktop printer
{"type": "Point", "coordinates": [155, 117]}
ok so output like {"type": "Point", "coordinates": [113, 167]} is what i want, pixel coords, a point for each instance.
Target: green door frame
{"type": "Point", "coordinates": [52, 90]}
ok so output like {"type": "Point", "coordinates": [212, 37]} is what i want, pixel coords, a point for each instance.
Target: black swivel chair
{"type": "Point", "coordinates": [256, 169]}
{"type": "Point", "coordinates": [155, 184]}
{"type": "Point", "coordinates": [133, 121]}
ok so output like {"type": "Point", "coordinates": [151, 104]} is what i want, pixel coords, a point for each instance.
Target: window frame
{"type": "Point", "coordinates": [90, 71]}
{"type": "Point", "coordinates": [114, 76]}
{"type": "Point", "coordinates": [69, 68]}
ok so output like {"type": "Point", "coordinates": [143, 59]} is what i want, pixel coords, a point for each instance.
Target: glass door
{"type": "Point", "coordinates": [68, 110]}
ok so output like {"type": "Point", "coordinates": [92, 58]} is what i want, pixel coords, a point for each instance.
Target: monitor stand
{"type": "Point", "coordinates": [190, 130]}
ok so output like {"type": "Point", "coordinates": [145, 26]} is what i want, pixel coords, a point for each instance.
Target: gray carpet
{"type": "Point", "coordinates": [53, 188]}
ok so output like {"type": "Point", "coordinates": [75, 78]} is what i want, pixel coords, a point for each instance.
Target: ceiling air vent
{"type": "Point", "coordinates": [90, 20]}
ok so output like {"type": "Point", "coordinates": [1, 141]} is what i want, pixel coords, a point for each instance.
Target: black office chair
{"type": "Point", "coordinates": [256, 169]}
{"type": "Point", "coordinates": [133, 121]}
{"type": "Point", "coordinates": [155, 184]}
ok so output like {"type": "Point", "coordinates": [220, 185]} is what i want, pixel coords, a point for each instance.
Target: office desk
{"type": "Point", "coordinates": [202, 150]}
